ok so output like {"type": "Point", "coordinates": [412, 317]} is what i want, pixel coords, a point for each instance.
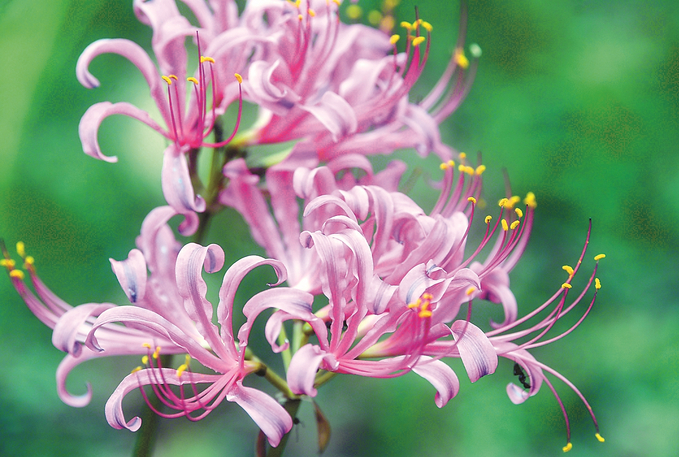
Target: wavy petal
{"type": "Point", "coordinates": [302, 369]}
{"type": "Point", "coordinates": [336, 114]}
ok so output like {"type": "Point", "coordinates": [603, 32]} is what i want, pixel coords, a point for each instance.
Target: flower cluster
{"type": "Point", "coordinates": [369, 283]}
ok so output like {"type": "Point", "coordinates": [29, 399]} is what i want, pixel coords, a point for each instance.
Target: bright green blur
{"type": "Point", "coordinates": [577, 100]}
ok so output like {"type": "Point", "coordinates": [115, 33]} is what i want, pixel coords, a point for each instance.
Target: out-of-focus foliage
{"type": "Point", "coordinates": [577, 100]}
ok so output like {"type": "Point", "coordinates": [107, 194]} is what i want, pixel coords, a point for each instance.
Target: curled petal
{"type": "Point", "coordinates": [69, 331]}
{"type": "Point", "coordinates": [67, 364]}
{"type": "Point", "coordinates": [177, 187]}
{"type": "Point", "coordinates": [477, 353]}
{"type": "Point", "coordinates": [93, 117]}
{"type": "Point", "coordinates": [132, 275]}
{"type": "Point", "coordinates": [441, 376]}
{"type": "Point", "coordinates": [267, 413]}
{"type": "Point", "coordinates": [335, 114]}
{"type": "Point", "coordinates": [302, 369]}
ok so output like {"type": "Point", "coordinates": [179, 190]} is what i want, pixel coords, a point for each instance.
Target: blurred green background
{"type": "Point", "coordinates": [577, 100]}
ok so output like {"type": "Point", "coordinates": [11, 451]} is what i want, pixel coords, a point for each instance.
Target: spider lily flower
{"type": "Point", "coordinates": [170, 314]}
{"type": "Point", "coordinates": [512, 343]}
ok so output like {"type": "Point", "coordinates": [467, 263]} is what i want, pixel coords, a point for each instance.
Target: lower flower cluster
{"type": "Point", "coordinates": [375, 286]}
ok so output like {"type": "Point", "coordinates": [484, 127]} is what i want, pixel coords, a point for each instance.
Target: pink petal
{"type": "Point", "coordinates": [93, 117]}
{"type": "Point", "coordinates": [177, 186]}
{"type": "Point", "coordinates": [267, 413]}
{"type": "Point", "coordinates": [132, 275]}
{"type": "Point", "coordinates": [477, 352]}
{"type": "Point", "coordinates": [441, 376]}
{"type": "Point", "coordinates": [302, 369]}
{"type": "Point", "coordinates": [336, 114]}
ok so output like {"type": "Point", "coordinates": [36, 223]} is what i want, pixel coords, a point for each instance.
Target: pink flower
{"type": "Point", "coordinates": [170, 316]}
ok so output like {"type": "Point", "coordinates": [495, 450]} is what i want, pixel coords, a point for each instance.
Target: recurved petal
{"type": "Point", "coordinates": [441, 376]}
{"type": "Point", "coordinates": [477, 352]}
{"type": "Point", "coordinates": [132, 275]}
{"type": "Point", "coordinates": [267, 413]}
{"type": "Point", "coordinates": [88, 128]}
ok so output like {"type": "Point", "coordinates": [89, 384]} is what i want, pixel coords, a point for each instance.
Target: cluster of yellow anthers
{"type": "Point", "coordinates": [10, 264]}
{"type": "Point", "coordinates": [422, 305]}
{"type": "Point", "coordinates": [410, 28]}
{"type": "Point", "coordinates": [156, 353]}
{"type": "Point", "coordinates": [463, 168]}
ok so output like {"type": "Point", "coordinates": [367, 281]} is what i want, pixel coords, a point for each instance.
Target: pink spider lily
{"type": "Point", "coordinates": [342, 92]}
{"type": "Point", "coordinates": [171, 315]}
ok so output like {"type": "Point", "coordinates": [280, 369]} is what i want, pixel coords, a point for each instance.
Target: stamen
{"type": "Point", "coordinates": [193, 80]}
{"type": "Point", "coordinates": [167, 80]}
{"type": "Point", "coordinates": [530, 200]}
{"type": "Point", "coordinates": [504, 225]}
{"type": "Point", "coordinates": [480, 169]}
{"type": "Point", "coordinates": [204, 59]}
{"type": "Point", "coordinates": [7, 263]}
{"type": "Point", "coordinates": [597, 284]}
{"type": "Point", "coordinates": [568, 447]}
{"type": "Point", "coordinates": [470, 291]}
{"type": "Point", "coordinates": [418, 40]}
{"type": "Point", "coordinates": [21, 249]}
{"type": "Point", "coordinates": [568, 270]}
{"type": "Point", "coordinates": [514, 224]}
{"type": "Point", "coordinates": [472, 200]}
{"type": "Point", "coordinates": [488, 219]}
{"type": "Point", "coordinates": [394, 39]}
{"type": "Point", "coordinates": [461, 59]}
{"type": "Point", "coordinates": [600, 438]}
{"type": "Point", "coordinates": [16, 274]}
{"type": "Point", "coordinates": [146, 345]}
{"type": "Point", "coordinates": [136, 369]}
{"type": "Point", "coordinates": [426, 25]}
{"type": "Point", "coordinates": [566, 286]}
{"type": "Point", "coordinates": [518, 212]}
{"type": "Point", "coordinates": [406, 25]}
{"type": "Point", "coordinates": [599, 257]}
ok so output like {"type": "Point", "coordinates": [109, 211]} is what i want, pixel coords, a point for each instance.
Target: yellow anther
{"type": "Point", "coordinates": [597, 286]}
{"type": "Point", "coordinates": [21, 249]}
{"type": "Point", "coordinates": [174, 77]}
{"type": "Point", "coordinates": [406, 25]}
{"type": "Point", "coordinates": [568, 447]}
{"type": "Point", "coordinates": [530, 200]}
{"type": "Point", "coordinates": [488, 219]}
{"type": "Point", "coordinates": [312, 13]}
{"type": "Point", "coordinates": [394, 39]}
{"type": "Point", "coordinates": [518, 212]}
{"type": "Point", "coordinates": [472, 200]}
{"type": "Point", "coordinates": [204, 59]}
{"type": "Point", "coordinates": [354, 11]}
{"type": "Point", "coordinates": [239, 78]}
{"type": "Point", "coordinates": [418, 40]}
{"type": "Point", "coordinates": [463, 155]}
{"type": "Point", "coordinates": [424, 313]}
{"type": "Point", "coordinates": [136, 369]}
{"type": "Point", "coordinates": [16, 274]}
{"type": "Point", "coordinates": [167, 80]}
{"type": "Point", "coordinates": [146, 345]}
{"type": "Point", "coordinates": [337, 2]}
{"type": "Point", "coordinates": [443, 166]}
{"type": "Point", "coordinates": [502, 202]}
{"type": "Point", "coordinates": [426, 25]}
{"type": "Point", "coordinates": [480, 169]}
{"type": "Point", "coordinates": [600, 438]}
{"type": "Point", "coordinates": [182, 368]}
{"type": "Point", "coordinates": [300, 17]}
{"type": "Point", "coordinates": [7, 263]}
{"type": "Point", "coordinates": [514, 224]}
{"type": "Point", "coordinates": [469, 170]}
{"type": "Point", "coordinates": [451, 163]}
{"type": "Point", "coordinates": [156, 353]}
{"type": "Point", "coordinates": [505, 227]}
{"type": "Point", "coordinates": [599, 257]}
{"type": "Point", "coordinates": [29, 261]}
{"type": "Point", "coordinates": [297, 3]}
{"type": "Point", "coordinates": [461, 59]}
{"type": "Point", "coordinates": [145, 360]}
{"type": "Point", "coordinates": [375, 17]}
{"type": "Point", "coordinates": [514, 200]}
{"type": "Point", "coordinates": [193, 80]}
{"type": "Point", "coordinates": [470, 291]}
{"type": "Point", "coordinates": [566, 286]}
{"type": "Point", "coordinates": [568, 270]}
